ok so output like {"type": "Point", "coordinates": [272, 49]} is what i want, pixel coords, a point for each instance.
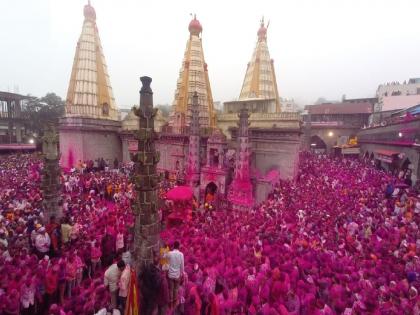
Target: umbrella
{"type": "Point", "coordinates": [179, 193]}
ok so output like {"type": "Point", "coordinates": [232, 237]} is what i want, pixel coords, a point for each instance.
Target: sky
{"type": "Point", "coordinates": [321, 48]}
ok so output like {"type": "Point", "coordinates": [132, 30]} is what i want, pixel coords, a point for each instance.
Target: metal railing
{"type": "Point", "coordinates": [262, 116]}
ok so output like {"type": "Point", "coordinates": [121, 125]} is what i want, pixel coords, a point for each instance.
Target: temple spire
{"type": "Point", "coordinates": [193, 77]}
{"type": "Point", "coordinates": [260, 78]}
{"type": "Point", "coordinates": [89, 93]}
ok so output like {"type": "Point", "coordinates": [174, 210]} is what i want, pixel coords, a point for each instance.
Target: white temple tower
{"type": "Point", "coordinates": [89, 128]}
{"type": "Point", "coordinates": [193, 77]}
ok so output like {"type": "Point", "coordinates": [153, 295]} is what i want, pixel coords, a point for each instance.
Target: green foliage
{"type": "Point", "coordinates": [42, 111]}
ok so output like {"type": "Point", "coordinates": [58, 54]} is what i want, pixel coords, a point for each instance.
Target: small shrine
{"type": "Point", "coordinates": [214, 173]}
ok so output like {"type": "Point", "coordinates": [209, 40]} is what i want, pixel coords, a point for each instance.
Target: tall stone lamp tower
{"type": "Point", "coordinates": [51, 186]}
{"type": "Point", "coordinates": [240, 193]}
{"type": "Point", "coordinates": [193, 171]}
{"type": "Point", "coordinates": [146, 179]}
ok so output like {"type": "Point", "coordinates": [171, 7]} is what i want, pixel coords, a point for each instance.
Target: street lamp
{"type": "Point", "coordinates": [330, 134]}
{"type": "Point", "coordinates": [31, 141]}
{"type": "Point", "coordinates": [400, 134]}
{"type": "Point", "coordinates": [313, 144]}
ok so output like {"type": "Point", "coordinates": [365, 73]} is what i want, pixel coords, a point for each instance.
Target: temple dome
{"type": "Point", "coordinates": [195, 27]}
{"type": "Point", "coordinates": [89, 12]}
{"type": "Point", "coordinates": [130, 122]}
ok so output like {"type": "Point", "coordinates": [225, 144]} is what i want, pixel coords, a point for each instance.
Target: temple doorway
{"type": "Point", "coordinates": [210, 196]}
{"type": "Point", "coordinates": [318, 145]}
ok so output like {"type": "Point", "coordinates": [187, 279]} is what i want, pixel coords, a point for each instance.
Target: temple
{"type": "Point", "coordinates": [234, 161]}
{"type": "Point", "coordinates": [90, 93]}
{"type": "Point", "coordinates": [193, 77]}
{"type": "Point", "coordinates": [90, 126]}
{"type": "Point", "coordinates": [260, 84]}
{"type": "Point", "coordinates": [259, 93]}
{"type": "Point", "coordinates": [274, 135]}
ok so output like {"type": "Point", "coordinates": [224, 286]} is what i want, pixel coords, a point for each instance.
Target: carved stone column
{"type": "Point", "coordinates": [51, 185]}
{"type": "Point", "coordinates": [240, 193]}
{"type": "Point", "coordinates": [193, 166]}
{"type": "Point", "coordinates": [146, 179]}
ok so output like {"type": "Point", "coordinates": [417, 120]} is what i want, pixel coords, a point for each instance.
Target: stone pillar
{"type": "Point", "coordinates": [146, 179]}
{"type": "Point", "coordinates": [18, 128]}
{"type": "Point", "coordinates": [51, 185]}
{"type": "Point", "coordinates": [243, 153]}
{"type": "Point", "coordinates": [307, 133]}
{"type": "Point", "coordinates": [240, 194]}
{"type": "Point", "coordinates": [193, 166]}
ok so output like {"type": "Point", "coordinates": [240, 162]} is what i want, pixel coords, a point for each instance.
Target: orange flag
{"type": "Point", "coordinates": [132, 306]}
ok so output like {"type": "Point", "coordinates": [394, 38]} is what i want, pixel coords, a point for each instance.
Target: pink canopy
{"type": "Point", "coordinates": [180, 193]}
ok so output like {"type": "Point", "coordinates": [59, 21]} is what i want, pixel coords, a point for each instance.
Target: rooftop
{"type": "Point", "coordinates": [340, 108]}
{"type": "Point", "coordinates": [13, 96]}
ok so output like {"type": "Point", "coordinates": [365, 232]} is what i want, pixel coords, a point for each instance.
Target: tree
{"type": "Point", "coordinates": [40, 111]}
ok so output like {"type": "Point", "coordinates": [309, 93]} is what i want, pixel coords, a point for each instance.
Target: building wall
{"type": "Point", "coordinates": [260, 120]}
{"type": "Point", "coordinates": [395, 95]}
{"type": "Point", "coordinates": [388, 103]}
{"type": "Point", "coordinates": [288, 105]}
{"type": "Point", "coordinates": [88, 139]}
{"type": "Point", "coordinates": [404, 88]}
{"type": "Point", "coordinates": [84, 145]}
{"type": "Point", "coordinates": [171, 150]}
{"type": "Point", "coordinates": [268, 155]}
{"type": "Point", "coordinates": [403, 137]}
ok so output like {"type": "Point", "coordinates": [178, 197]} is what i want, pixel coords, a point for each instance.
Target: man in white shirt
{"type": "Point", "coordinates": [175, 272]}
{"type": "Point", "coordinates": [42, 243]}
{"type": "Point", "coordinates": [111, 278]}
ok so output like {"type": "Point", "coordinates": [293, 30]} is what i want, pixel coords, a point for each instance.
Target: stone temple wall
{"type": "Point", "coordinates": [268, 155]}
{"type": "Point", "coordinates": [274, 149]}
{"type": "Point", "coordinates": [88, 139]}
{"type": "Point", "coordinates": [172, 149]}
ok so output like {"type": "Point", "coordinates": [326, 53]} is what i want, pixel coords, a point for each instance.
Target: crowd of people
{"type": "Point", "coordinates": [341, 239]}
{"type": "Point", "coordinates": [333, 242]}
{"type": "Point", "coordinates": [51, 266]}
